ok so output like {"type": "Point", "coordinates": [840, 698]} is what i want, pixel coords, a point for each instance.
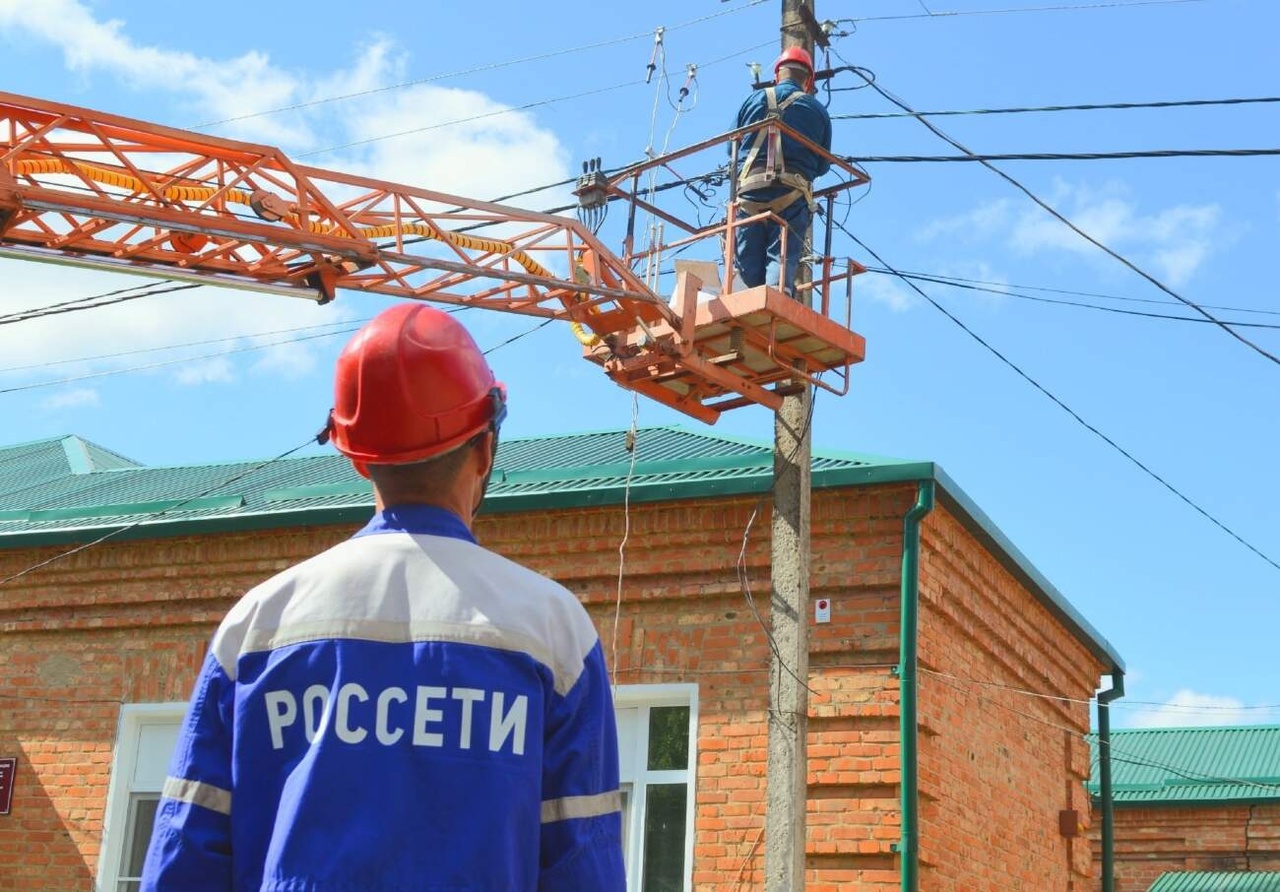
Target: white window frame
{"type": "Point", "coordinates": [115, 821]}
{"type": "Point", "coordinates": [643, 697]}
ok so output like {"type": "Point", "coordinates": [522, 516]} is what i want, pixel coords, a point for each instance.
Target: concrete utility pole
{"type": "Point", "coordinates": [788, 762]}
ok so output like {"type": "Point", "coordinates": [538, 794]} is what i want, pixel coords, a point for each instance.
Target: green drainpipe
{"type": "Point", "coordinates": [909, 845]}
{"type": "Point", "coordinates": [1104, 778]}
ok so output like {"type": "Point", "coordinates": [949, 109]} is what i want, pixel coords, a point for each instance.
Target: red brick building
{"type": "Point", "coordinates": [1197, 809]}
{"type": "Point", "coordinates": [100, 648]}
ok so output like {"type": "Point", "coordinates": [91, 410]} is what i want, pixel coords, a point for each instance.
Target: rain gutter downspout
{"type": "Point", "coordinates": [908, 846]}
{"type": "Point", "coordinates": [1104, 778]}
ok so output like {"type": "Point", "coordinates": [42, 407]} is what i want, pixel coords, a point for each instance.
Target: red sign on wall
{"type": "Point", "coordinates": [7, 768]}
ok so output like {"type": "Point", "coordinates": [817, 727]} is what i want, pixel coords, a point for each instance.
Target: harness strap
{"type": "Point", "coordinates": [774, 171]}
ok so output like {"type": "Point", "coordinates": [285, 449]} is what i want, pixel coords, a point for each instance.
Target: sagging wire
{"type": "Point", "coordinates": [1064, 220]}
{"type": "Point", "coordinates": [93, 302]}
{"type": "Point", "coordinates": [744, 578]}
{"type": "Point", "coordinates": [321, 437]}
{"type": "Point", "coordinates": [655, 230]}
{"type": "Point", "coordinates": [1077, 417]}
{"type": "Point", "coordinates": [631, 444]}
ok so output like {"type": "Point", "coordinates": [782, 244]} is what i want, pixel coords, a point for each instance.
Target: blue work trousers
{"type": "Point", "coordinates": [758, 247]}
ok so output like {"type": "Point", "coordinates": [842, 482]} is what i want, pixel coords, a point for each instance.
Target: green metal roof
{"type": "Point", "coordinates": [1217, 881]}
{"type": "Point", "coordinates": [1182, 766]}
{"type": "Point", "coordinates": [48, 500]}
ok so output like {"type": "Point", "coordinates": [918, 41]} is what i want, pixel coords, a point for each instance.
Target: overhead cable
{"type": "Point", "coordinates": [1007, 292]}
{"type": "Point", "coordinates": [1007, 10]}
{"type": "Point", "coordinates": [178, 361]}
{"type": "Point", "coordinates": [612, 41]}
{"type": "Point", "coordinates": [1060, 404]}
{"type": "Point", "coordinates": [1060, 217]}
{"type": "Point", "coordinates": [93, 302]}
{"type": "Point", "coordinates": [156, 515]}
{"type": "Point", "coordinates": [1062, 156]}
{"type": "Point", "coordinates": [1016, 110]}
{"type": "Point", "coordinates": [995, 286]}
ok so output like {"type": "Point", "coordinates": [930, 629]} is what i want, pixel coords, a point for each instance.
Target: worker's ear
{"type": "Point", "coordinates": [484, 450]}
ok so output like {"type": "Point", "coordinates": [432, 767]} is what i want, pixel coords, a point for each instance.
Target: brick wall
{"type": "Point", "coordinates": [128, 622]}
{"type": "Point", "coordinates": [997, 765]}
{"type": "Point", "coordinates": [1151, 841]}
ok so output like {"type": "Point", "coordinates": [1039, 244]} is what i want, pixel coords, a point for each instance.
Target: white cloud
{"type": "Point", "coordinates": [983, 222]}
{"type": "Point", "coordinates": [496, 154]}
{"type": "Point", "coordinates": [220, 88]}
{"type": "Point", "coordinates": [217, 370]}
{"type": "Point", "coordinates": [885, 289]}
{"type": "Point", "coordinates": [1189, 708]}
{"type": "Point", "coordinates": [292, 361]}
{"type": "Point", "coordinates": [490, 156]}
{"type": "Point", "coordinates": [1173, 242]}
{"type": "Point", "coordinates": [77, 398]}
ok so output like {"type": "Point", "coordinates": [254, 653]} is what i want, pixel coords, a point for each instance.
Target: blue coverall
{"type": "Point", "coordinates": [758, 247]}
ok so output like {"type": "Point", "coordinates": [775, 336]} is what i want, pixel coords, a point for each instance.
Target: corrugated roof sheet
{"type": "Point", "coordinates": [1217, 881]}
{"type": "Point", "coordinates": [51, 493]}
{"type": "Point", "coordinates": [1152, 766]}
{"type": "Point", "coordinates": [41, 493]}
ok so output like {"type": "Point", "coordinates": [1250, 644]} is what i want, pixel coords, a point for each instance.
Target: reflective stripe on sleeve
{"type": "Point", "coordinates": [204, 795]}
{"type": "Point", "coordinates": [581, 806]}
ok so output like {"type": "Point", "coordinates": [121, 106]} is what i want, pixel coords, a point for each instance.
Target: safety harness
{"type": "Point", "coordinates": [772, 171]}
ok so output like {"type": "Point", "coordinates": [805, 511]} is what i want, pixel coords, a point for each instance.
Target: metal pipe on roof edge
{"type": "Point", "coordinates": [908, 847]}
{"type": "Point", "coordinates": [1104, 777]}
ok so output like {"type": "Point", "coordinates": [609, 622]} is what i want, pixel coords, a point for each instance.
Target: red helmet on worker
{"type": "Point", "coordinates": [411, 385]}
{"type": "Point", "coordinates": [795, 55]}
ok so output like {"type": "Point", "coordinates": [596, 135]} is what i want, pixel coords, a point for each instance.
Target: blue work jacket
{"type": "Point", "coordinates": [406, 711]}
{"type": "Point", "coordinates": [806, 115]}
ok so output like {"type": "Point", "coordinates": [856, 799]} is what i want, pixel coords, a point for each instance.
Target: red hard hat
{"type": "Point", "coordinates": [409, 386]}
{"type": "Point", "coordinates": [795, 55]}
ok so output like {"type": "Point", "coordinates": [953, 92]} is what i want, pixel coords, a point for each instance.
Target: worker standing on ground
{"type": "Point", "coordinates": [776, 172]}
{"type": "Point", "coordinates": [407, 710]}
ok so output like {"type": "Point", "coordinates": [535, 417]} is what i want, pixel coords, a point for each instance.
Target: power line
{"type": "Point", "coordinates": [467, 120]}
{"type": "Point", "coordinates": [509, 110]}
{"type": "Point", "coordinates": [493, 66]}
{"type": "Point", "coordinates": [1065, 221]}
{"type": "Point", "coordinates": [1061, 156]}
{"type": "Point", "coordinates": [1057, 8]}
{"type": "Point", "coordinates": [1181, 103]}
{"type": "Point", "coordinates": [1072, 412]}
{"type": "Point", "coordinates": [204, 343]}
{"type": "Point", "coordinates": [1005, 292]}
{"type": "Point", "coordinates": [1115, 753]}
{"type": "Point", "coordinates": [155, 515]}
{"type": "Point", "coordinates": [946, 280]}
{"type": "Point", "coordinates": [168, 362]}
{"type": "Point", "coordinates": [92, 302]}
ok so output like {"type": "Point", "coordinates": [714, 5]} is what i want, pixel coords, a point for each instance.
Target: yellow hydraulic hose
{"type": "Point", "coordinates": [179, 192]}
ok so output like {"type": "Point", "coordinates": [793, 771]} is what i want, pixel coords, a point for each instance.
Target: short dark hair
{"type": "Point", "coordinates": [428, 477]}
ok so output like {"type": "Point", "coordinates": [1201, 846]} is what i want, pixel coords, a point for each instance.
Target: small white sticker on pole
{"type": "Point", "coordinates": [822, 611]}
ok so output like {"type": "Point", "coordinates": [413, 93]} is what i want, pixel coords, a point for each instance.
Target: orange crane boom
{"type": "Point", "coordinates": [92, 189]}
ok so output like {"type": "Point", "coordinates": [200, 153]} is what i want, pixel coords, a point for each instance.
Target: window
{"type": "Point", "coordinates": [657, 739]}
{"type": "Point", "coordinates": [144, 741]}
{"type": "Point", "coordinates": [657, 735]}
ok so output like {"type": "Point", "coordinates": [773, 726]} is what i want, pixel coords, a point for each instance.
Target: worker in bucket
{"type": "Point", "coordinates": [776, 172]}
{"type": "Point", "coordinates": [407, 710]}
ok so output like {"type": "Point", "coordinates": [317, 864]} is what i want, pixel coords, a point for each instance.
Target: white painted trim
{"type": "Point", "coordinates": [642, 697]}
{"type": "Point", "coordinates": [133, 716]}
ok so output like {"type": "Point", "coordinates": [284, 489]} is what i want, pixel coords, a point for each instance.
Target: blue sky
{"type": "Point", "coordinates": [1191, 610]}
